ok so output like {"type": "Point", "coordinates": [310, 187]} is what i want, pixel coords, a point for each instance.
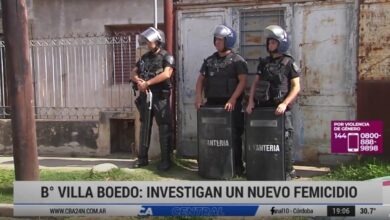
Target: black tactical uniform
{"type": "Point", "coordinates": [149, 66]}
{"type": "Point", "coordinates": [277, 74]}
{"type": "Point", "coordinates": [221, 80]}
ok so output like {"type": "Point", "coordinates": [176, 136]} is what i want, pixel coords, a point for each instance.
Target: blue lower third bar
{"type": "Point", "coordinates": [208, 210]}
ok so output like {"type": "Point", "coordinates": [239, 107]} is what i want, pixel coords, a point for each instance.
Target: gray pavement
{"type": "Point", "coordinates": [78, 163]}
{"type": "Point", "coordinates": [69, 163]}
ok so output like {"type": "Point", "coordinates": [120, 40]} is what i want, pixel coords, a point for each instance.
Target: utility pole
{"type": "Point", "coordinates": [169, 24]}
{"type": "Point", "coordinates": [155, 14]}
{"type": "Point", "coordinates": [21, 89]}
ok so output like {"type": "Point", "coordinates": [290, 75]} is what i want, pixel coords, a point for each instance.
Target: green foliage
{"type": "Point", "coordinates": [360, 170]}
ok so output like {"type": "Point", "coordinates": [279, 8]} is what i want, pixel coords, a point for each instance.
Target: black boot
{"type": "Point", "coordinates": [141, 163]}
{"type": "Point", "coordinates": [240, 170]}
{"type": "Point", "coordinates": [164, 165]}
{"type": "Point", "coordinates": [142, 158]}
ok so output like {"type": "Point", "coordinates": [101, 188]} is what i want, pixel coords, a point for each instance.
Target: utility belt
{"type": "Point", "coordinates": [268, 103]}
{"type": "Point", "coordinates": [273, 101]}
{"type": "Point", "coordinates": [161, 94]}
{"type": "Point", "coordinates": [223, 101]}
{"type": "Point", "coordinates": [217, 101]}
{"type": "Point", "coordinates": [148, 75]}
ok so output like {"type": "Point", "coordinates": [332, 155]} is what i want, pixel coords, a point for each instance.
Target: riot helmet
{"type": "Point", "coordinates": [227, 33]}
{"type": "Point", "coordinates": [277, 33]}
{"type": "Point", "coordinates": [153, 35]}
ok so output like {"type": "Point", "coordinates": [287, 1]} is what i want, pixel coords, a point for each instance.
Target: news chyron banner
{"type": "Point", "coordinates": [365, 199]}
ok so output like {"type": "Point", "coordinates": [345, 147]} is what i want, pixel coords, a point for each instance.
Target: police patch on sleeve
{"type": "Point", "coordinates": [296, 67]}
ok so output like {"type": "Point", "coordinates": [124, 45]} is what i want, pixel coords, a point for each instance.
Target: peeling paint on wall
{"type": "Point", "coordinates": [374, 40]}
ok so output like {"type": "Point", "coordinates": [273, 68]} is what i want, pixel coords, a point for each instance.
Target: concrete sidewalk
{"type": "Point", "coordinates": [70, 163]}
{"type": "Point", "coordinates": [74, 163]}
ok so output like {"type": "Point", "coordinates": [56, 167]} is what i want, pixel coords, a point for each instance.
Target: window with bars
{"type": "Point", "coordinates": [252, 39]}
{"type": "Point", "coordinates": [123, 57]}
{"type": "Point", "coordinates": [125, 51]}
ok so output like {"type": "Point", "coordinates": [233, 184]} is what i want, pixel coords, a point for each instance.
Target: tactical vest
{"type": "Point", "coordinates": [221, 78]}
{"type": "Point", "coordinates": [273, 75]}
{"type": "Point", "coordinates": [151, 65]}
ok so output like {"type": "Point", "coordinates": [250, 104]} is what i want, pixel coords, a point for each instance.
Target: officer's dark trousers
{"type": "Point", "coordinates": [162, 114]}
{"type": "Point", "coordinates": [238, 129]}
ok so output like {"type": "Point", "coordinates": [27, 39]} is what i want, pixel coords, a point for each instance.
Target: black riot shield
{"type": "Point", "coordinates": [215, 150]}
{"type": "Point", "coordinates": [264, 145]}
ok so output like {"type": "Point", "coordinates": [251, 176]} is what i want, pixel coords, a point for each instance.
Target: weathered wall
{"type": "Point", "coordinates": [104, 139]}
{"type": "Point", "coordinates": [5, 134]}
{"type": "Point", "coordinates": [70, 138]}
{"type": "Point", "coordinates": [67, 137]}
{"type": "Point", "coordinates": [374, 40]}
{"type": "Point", "coordinates": [84, 138]}
{"type": "Point", "coordinates": [324, 44]}
{"type": "Point", "coordinates": [68, 18]}
{"type": "Point", "coordinates": [59, 18]}
{"type": "Point", "coordinates": [374, 64]}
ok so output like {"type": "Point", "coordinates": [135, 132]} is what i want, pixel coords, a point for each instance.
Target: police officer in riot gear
{"type": "Point", "coordinates": [281, 75]}
{"type": "Point", "coordinates": [152, 74]}
{"type": "Point", "coordinates": [223, 78]}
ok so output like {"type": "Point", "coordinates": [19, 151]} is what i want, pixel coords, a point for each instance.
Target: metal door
{"type": "Point", "coordinates": [195, 43]}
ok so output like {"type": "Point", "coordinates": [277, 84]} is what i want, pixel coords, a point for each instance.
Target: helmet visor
{"type": "Point", "coordinates": [222, 31]}
{"type": "Point", "coordinates": [151, 35]}
{"type": "Point", "coordinates": [275, 32]}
